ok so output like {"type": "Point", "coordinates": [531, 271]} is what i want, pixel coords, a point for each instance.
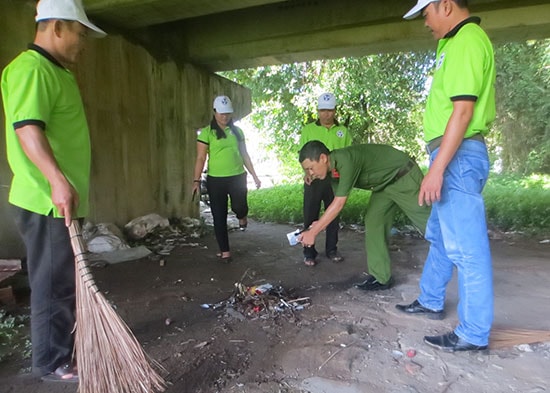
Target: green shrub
{"type": "Point", "coordinates": [516, 203]}
{"type": "Point", "coordinates": [513, 203]}
{"type": "Point", "coordinates": [283, 204]}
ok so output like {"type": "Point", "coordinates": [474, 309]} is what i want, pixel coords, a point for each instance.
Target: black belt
{"type": "Point", "coordinates": [435, 143]}
{"type": "Point", "coordinates": [403, 171]}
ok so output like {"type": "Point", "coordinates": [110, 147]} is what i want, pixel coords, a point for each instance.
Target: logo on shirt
{"type": "Point", "coordinates": [340, 134]}
{"type": "Point", "coordinates": [439, 61]}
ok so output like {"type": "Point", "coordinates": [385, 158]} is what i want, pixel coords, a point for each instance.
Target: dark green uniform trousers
{"type": "Point", "coordinates": [403, 194]}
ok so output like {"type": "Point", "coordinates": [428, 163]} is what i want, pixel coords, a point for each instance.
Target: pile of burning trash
{"type": "Point", "coordinates": [260, 301]}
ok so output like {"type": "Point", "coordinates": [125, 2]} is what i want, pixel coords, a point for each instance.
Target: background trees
{"type": "Point", "coordinates": [381, 98]}
{"type": "Point", "coordinates": [523, 107]}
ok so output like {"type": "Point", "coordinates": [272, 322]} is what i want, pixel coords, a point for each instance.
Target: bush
{"type": "Point", "coordinates": [512, 203]}
{"type": "Point", "coordinates": [516, 203]}
{"type": "Point", "coordinates": [283, 204]}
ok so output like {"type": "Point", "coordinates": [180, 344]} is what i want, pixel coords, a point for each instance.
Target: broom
{"type": "Point", "coordinates": [108, 355]}
{"type": "Point", "coordinates": [504, 338]}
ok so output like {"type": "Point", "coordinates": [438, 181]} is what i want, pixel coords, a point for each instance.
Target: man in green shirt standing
{"type": "Point", "coordinates": [459, 109]}
{"type": "Point", "coordinates": [334, 135]}
{"type": "Point", "coordinates": [394, 179]}
{"type": "Point", "coordinates": [48, 149]}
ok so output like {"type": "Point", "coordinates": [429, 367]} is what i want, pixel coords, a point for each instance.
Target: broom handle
{"type": "Point", "coordinates": [79, 250]}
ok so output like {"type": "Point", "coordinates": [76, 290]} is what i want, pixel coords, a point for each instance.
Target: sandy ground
{"type": "Point", "coordinates": [346, 341]}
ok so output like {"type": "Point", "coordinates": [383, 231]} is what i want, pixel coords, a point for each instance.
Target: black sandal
{"type": "Point", "coordinates": [224, 259]}
{"type": "Point", "coordinates": [65, 373]}
{"type": "Point", "coordinates": [243, 225]}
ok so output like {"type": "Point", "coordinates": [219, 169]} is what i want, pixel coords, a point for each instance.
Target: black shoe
{"type": "Point", "coordinates": [417, 308]}
{"type": "Point", "coordinates": [372, 284]}
{"type": "Point", "coordinates": [450, 342]}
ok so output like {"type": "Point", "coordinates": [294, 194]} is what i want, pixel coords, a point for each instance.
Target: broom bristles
{"type": "Point", "coordinates": [506, 338]}
{"type": "Point", "coordinates": [109, 357]}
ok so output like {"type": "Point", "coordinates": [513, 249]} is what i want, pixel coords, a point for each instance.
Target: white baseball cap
{"type": "Point", "coordinates": [326, 101]}
{"type": "Point", "coordinates": [222, 104]}
{"type": "Point", "coordinates": [67, 10]}
{"type": "Point", "coordinates": [417, 9]}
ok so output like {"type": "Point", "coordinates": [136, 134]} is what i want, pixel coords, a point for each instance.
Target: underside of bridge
{"type": "Point", "coordinates": [149, 85]}
{"type": "Point", "coordinates": [230, 34]}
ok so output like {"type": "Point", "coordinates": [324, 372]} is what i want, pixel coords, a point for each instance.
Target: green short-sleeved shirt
{"type": "Point", "coordinates": [37, 90]}
{"type": "Point", "coordinates": [464, 70]}
{"type": "Point", "coordinates": [369, 167]}
{"type": "Point", "coordinates": [224, 157]}
{"type": "Point", "coordinates": [335, 137]}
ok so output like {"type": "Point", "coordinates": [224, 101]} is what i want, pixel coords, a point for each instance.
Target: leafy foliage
{"type": "Point", "coordinates": [380, 98]}
{"type": "Point", "coordinates": [512, 203]}
{"type": "Point", "coordinates": [523, 107]}
{"type": "Point", "coordinates": [518, 203]}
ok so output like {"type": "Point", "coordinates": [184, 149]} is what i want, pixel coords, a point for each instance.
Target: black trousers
{"type": "Point", "coordinates": [320, 191]}
{"type": "Point", "coordinates": [219, 190]}
{"type": "Point", "coordinates": [50, 262]}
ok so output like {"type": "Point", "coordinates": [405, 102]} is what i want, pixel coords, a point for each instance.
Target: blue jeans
{"type": "Point", "coordinates": [457, 231]}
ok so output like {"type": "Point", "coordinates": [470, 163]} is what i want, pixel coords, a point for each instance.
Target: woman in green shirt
{"type": "Point", "coordinates": [224, 145]}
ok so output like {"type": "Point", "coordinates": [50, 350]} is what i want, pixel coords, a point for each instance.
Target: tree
{"type": "Point", "coordinates": [523, 106]}
{"type": "Point", "coordinates": [380, 97]}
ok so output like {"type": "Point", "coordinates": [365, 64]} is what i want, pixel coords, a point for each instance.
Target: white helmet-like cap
{"type": "Point", "coordinates": [417, 9]}
{"type": "Point", "coordinates": [67, 10]}
{"type": "Point", "coordinates": [326, 101]}
{"type": "Point", "coordinates": [222, 104]}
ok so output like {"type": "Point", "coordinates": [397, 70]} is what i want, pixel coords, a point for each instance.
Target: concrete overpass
{"type": "Point", "coordinates": [230, 34]}
{"type": "Point", "coordinates": [149, 85]}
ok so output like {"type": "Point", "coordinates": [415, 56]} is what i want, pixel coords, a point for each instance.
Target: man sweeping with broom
{"type": "Point", "coordinates": [48, 149]}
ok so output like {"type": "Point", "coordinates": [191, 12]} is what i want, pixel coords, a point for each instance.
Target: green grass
{"type": "Point", "coordinates": [516, 203]}
{"type": "Point", "coordinates": [283, 204]}
{"type": "Point", "coordinates": [513, 204]}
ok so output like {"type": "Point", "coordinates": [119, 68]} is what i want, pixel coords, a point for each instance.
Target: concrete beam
{"type": "Point", "coordinates": [132, 14]}
{"type": "Point", "coordinates": [315, 30]}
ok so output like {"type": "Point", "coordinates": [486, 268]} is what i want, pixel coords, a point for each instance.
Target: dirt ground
{"type": "Point", "coordinates": [346, 341]}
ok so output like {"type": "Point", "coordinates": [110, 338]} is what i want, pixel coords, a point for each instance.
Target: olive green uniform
{"type": "Point", "coordinates": [394, 179]}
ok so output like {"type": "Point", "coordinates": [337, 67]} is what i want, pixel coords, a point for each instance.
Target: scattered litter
{"type": "Point", "coordinates": [117, 256]}
{"type": "Point", "coordinates": [103, 237]}
{"type": "Point", "coordinates": [411, 353]}
{"type": "Point", "coordinates": [545, 241]}
{"type": "Point", "coordinates": [163, 238]}
{"type": "Point", "coordinates": [525, 348]}
{"type": "Point", "coordinates": [167, 321]}
{"type": "Point", "coordinates": [263, 301]}
{"type": "Point", "coordinates": [140, 227]}
{"type": "Point", "coordinates": [201, 345]}
{"type": "Point", "coordinates": [396, 354]}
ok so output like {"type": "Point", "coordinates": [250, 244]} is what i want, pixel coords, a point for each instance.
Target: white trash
{"type": "Point", "coordinates": [140, 227]}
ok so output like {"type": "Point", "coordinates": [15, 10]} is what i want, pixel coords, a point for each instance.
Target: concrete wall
{"type": "Point", "coordinates": [143, 116]}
